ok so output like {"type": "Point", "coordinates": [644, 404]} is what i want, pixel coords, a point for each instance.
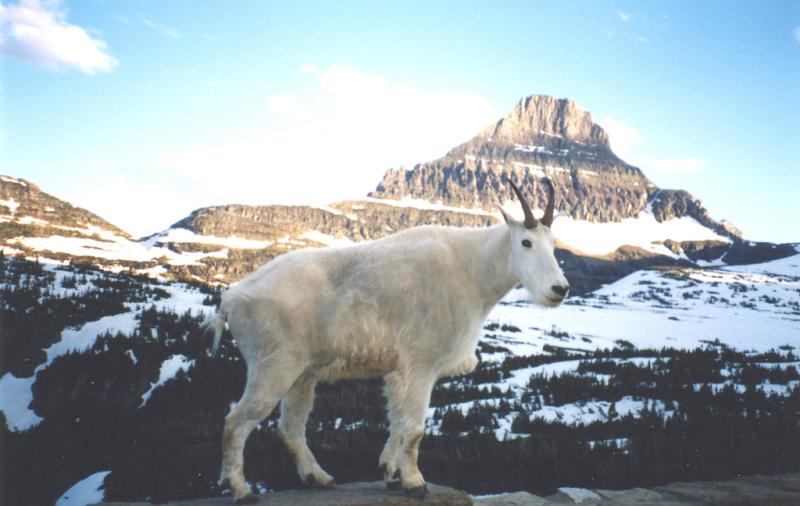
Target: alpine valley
{"type": "Point", "coordinates": [675, 358]}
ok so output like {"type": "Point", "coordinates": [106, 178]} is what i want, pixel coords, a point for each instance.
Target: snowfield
{"type": "Point", "coordinates": [751, 307]}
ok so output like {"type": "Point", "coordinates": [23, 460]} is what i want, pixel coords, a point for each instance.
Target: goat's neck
{"type": "Point", "coordinates": [492, 270]}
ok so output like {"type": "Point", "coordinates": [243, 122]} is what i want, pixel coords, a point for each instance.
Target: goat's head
{"type": "Point", "coordinates": [532, 259]}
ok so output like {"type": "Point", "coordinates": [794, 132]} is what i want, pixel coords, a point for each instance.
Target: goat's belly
{"type": "Point", "coordinates": [464, 366]}
{"type": "Point", "coordinates": [358, 365]}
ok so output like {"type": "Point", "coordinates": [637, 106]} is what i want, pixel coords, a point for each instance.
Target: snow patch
{"type": "Point", "coordinates": [424, 204]}
{"type": "Point", "coordinates": [583, 413]}
{"type": "Point", "coordinates": [326, 239]}
{"type": "Point", "coordinates": [83, 338]}
{"type": "Point", "coordinates": [169, 369]}
{"type": "Point", "coordinates": [182, 235]}
{"type": "Point", "coordinates": [12, 180]}
{"type": "Point", "coordinates": [87, 491]}
{"type": "Point", "coordinates": [10, 204]}
{"type": "Point", "coordinates": [15, 398]}
{"type": "Point", "coordinates": [643, 231]}
{"type": "Point", "coordinates": [578, 495]}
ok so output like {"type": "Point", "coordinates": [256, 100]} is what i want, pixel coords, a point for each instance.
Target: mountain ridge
{"type": "Point", "coordinates": [610, 217]}
{"type": "Point", "coordinates": [543, 136]}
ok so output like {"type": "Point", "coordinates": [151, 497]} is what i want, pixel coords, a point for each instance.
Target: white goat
{"type": "Point", "coordinates": [409, 307]}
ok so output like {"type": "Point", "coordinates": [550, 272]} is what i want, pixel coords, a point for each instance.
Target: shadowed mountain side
{"type": "Point", "coordinates": [588, 273]}
{"type": "Point", "coordinates": [25, 210]}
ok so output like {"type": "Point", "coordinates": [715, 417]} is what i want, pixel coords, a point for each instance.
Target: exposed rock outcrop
{"type": "Point", "coordinates": [349, 494]}
{"type": "Point", "coordinates": [354, 220]}
{"type": "Point", "coordinates": [776, 490]}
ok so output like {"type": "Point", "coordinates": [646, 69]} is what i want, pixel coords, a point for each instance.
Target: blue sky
{"type": "Point", "coordinates": [142, 111]}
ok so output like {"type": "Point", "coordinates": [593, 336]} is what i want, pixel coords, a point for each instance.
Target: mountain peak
{"type": "Point", "coordinates": [549, 119]}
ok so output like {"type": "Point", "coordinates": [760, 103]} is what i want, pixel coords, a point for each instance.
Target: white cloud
{"type": "Point", "coordinates": [797, 34]}
{"type": "Point", "coordinates": [624, 17]}
{"type": "Point", "coordinates": [308, 68]}
{"type": "Point", "coordinates": [331, 143]}
{"type": "Point", "coordinates": [625, 141]}
{"type": "Point", "coordinates": [38, 32]}
{"type": "Point", "coordinates": [213, 38]}
{"type": "Point", "coordinates": [165, 30]}
{"type": "Point", "coordinates": [621, 136]}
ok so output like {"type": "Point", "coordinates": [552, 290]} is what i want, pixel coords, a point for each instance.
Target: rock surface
{"type": "Point", "coordinates": [349, 494]}
{"type": "Point", "coordinates": [777, 490]}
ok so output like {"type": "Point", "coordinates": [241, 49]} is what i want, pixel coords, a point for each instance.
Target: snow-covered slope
{"type": "Point", "coordinates": [753, 308]}
{"type": "Point", "coordinates": [16, 394]}
{"type": "Point", "coordinates": [750, 307]}
{"type": "Point", "coordinates": [642, 231]}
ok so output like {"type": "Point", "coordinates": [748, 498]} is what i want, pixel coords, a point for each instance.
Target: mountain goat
{"type": "Point", "coordinates": [409, 308]}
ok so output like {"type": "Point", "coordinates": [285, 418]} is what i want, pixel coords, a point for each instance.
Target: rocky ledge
{"type": "Point", "coordinates": [776, 490]}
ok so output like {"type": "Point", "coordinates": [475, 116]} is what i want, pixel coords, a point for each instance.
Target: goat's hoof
{"type": "Point", "coordinates": [248, 499]}
{"type": "Point", "coordinates": [393, 481]}
{"type": "Point", "coordinates": [394, 485]}
{"type": "Point", "coordinates": [418, 492]}
{"type": "Point", "coordinates": [313, 483]}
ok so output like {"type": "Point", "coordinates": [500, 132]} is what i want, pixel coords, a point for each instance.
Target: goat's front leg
{"type": "Point", "coordinates": [412, 424]}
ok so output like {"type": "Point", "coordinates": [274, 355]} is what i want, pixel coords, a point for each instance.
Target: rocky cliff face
{"type": "Point", "coordinates": [292, 227]}
{"type": "Point", "coordinates": [667, 204]}
{"type": "Point", "coordinates": [351, 220]}
{"type": "Point", "coordinates": [543, 136]}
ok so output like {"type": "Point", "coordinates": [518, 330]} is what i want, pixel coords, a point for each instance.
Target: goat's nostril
{"type": "Point", "coordinates": [560, 289]}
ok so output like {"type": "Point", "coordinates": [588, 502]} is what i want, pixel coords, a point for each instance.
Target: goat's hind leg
{"type": "Point", "coordinates": [389, 459]}
{"type": "Point", "coordinates": [266, 384]}
{"type": "Point", "coordinates": [295, 407]}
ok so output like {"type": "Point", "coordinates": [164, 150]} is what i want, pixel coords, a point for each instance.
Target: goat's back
{"type": "Point", "coordinates": [406, 293]}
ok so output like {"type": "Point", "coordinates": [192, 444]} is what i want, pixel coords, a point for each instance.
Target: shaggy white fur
{"type": "Point", "coordinates": [408, 308]}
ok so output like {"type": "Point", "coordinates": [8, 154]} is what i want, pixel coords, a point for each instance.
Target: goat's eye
{"type": "Point", "coordinates": [526, 243]}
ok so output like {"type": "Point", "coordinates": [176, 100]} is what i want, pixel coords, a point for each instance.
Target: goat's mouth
{"type": "Point", "coordinates": [552, 301]}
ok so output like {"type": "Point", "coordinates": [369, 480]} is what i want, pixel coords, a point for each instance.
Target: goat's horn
{"type": "Point", "coordinates": [547, 219]}
{"type": "Point", "coordinates": [530, 221]}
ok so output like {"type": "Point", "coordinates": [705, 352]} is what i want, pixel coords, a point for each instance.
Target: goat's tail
{"type": "Point", "coordinates": [217, 324]}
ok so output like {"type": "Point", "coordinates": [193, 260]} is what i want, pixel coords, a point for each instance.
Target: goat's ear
{"type": "Point", "coordinates": [510, 221]}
